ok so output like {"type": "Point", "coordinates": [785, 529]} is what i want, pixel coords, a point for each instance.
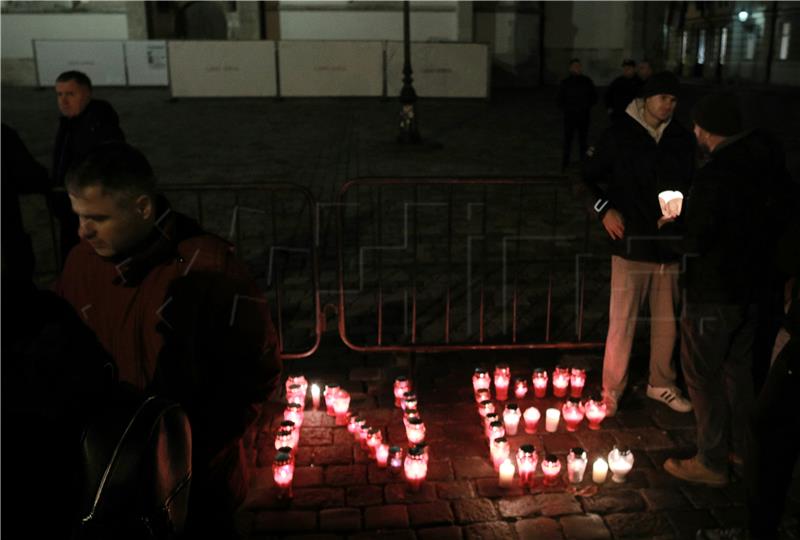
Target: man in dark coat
{"type": "Point", "coordinates": [84, 123]}
{"type": "Point", "coordinates": [735, 212]}
{"type": "Point", "coordinates": [622, 91]}
{"type": "Point", "coordinates": [644, 153]}
{"type": "Point", "coordinates": [179, 314]}
{"type": "Point", "coordinates": [576, 97]}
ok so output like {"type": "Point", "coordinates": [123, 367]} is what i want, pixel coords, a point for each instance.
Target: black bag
{"type": "Point", "coordinates": [137, 470]}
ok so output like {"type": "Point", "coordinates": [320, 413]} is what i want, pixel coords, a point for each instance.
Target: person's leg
{"type": "Point", "coordinates": [738, 369]}
{"type": "Point", "coordinates": [628, 285]}
{"type": "Point", "coordinates": [569, 134]}
{"type": "Point", "coordinates": [664, 296]}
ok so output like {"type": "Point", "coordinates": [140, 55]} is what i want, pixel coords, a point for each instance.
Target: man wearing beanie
{"type": "Point", "coordinates": [735, 212]}
{"type": "Point", "coordinates": [622, 90]}
{"type": "Point", "coordinates": [637, 158]}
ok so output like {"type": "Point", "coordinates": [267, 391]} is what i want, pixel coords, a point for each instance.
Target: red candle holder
{"type": "Point", "coordinates": [374, 440]}
{"type": "Point", "coordinates": [395, 460]}
{"type": "Point", "coordinates": [527, 459]}
{"type": "Point", "coordinates": [341, 404]}
{"type": "Point", "coordinates": [291, 426]}
{"type": "Point", "coordinates": [502, 378]}
{"type": "Point", "coordinates": [409, 401]}
{"type": "Point", "coordinates": [577, 380]}
{"type": "Point", "coordinates": [539, 380]}
{"type": "Point", "coordinates": [496, 430]}
{"type": "Point", "coordinates": [360, 424]}
{"type": "Point", "coordinates": [382, 455]}
{"type": "Point", "coordinates": [481, 379]}
{"type": "Point", "coordinates": [572, 412]}
{"type": "Point", "coordinates": [485, 407]}
{"type": "Point", "coordinates": [560, 381]}
{"type": "Point", "coordinates": [415, 430]}
{"type": "Point", "coordinates": [531, 416]}
{"type": "Point", "coordinates": [595, 412]}
{"type": "Point", "coordinates": [483, 394]}
{"type": "Point", "coordinates": [283, 473]}
{"type": "Point", "coordinates": [551, 467]}
{"type": "Point", "coordinates": [284, 438]}
{"type": "Point", "coordinates": [520, 388]}
{"type": "Point", "coordinates": [299, 380]}
{"type": "Point", "coordinates": [401, 386]}
{"type": "Point", "coordinates": [330, 395]}
{"type": "Point", "coordinates": [295, 395]}
{"type": "Point", "coordinates": [294, 413]}
{"type": "Point", "coordinates": [416, 468]}
{"type": "Point", "coordinates": [362, 436]}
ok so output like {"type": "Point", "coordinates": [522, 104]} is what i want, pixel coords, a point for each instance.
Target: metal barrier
{"type": "Point", "coordinates": [420, 231]}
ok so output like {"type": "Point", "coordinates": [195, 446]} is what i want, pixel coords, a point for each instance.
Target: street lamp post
{"type": "Point", "coordinates": [409, 133]}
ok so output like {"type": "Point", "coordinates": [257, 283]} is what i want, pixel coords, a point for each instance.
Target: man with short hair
{"type": "Point", "coordinates": [644, 71]}
{"type": "Point", "coordinates": [736, 210]}
{"type": "Point", "coordinates": [179, 314]}
{"type": "Point", "coordinates": [84, 123]}
{"type": "Point", "coordinates": [576, 96]}
{"type": "Point", "coordinates": [644, 153]}
{"type": "Point", "coordinates": [622, 91]}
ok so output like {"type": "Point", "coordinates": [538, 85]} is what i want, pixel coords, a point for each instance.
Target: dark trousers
{"type": "Point", "coordinates": [774, 447]}
{"type": "Point", "coordinates": [575, 121]}
{"type": "Point", "coordinates": [717, 359]}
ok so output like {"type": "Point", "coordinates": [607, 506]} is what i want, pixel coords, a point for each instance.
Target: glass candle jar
{"type": "Point", "coordinates": [487, 424]}
{"type": "Point", "coordinates": [416, 468]}
{"type": "Point", "coordinates": [500, 451]}
{"type": "Point", "coordinates": [506, 474]}
{"type": "Point", "coordinates": [360, 425]}
{"type": "Point", "coordinates": [620, 462]}
{"type": "Point", "coordinates": [572, 411]}
{"type": "Point", "coordinates": [341, 404]}
{"type": "Point", "coordinates": [300, 381]}
{"type": "Point", "coordinates": [283, 473]}
{"type": "Point", "coordinates": [577, 380]}
{"type": "Point", "coordinates": [527, 459]}
{"type": "Point", "coordinates": [520, 387]}
{"type": "Point", "coordinates": [315, 393]}
{"type": "Point", "coordinates": [374, 439]}
{"type": "Point", "coordinates": [295, 395]}
{"type": "Point", "coordinates": [599, 471]}
{"type": "Point", "coordinates": [502, 378]}
{"type": "Point", "coordinates": [483, 394]}
{"type": "Point", "coordinates": [560, 381]}
{"type": "Point", "coordinates": [481, 379]}
{"type": "Point", "coordinates": [539, 380]}
{"type": "Point", "coordinates": [409, 401]}
{"type": "Point", "coordinates": [576, 464]}
{"type": "Point", "coordinates": [330, 394]}
{"type": "Point", "coordinates": [595, 411]}
{"type": "Point", "coordinates": [485, 407]}
{"type": "Point", "coordinates": [551, 419]}
{"type": "Point", "coordinates": [415, 430]}
{"type": "Point", "coordinates": [382, 455]}
{"type": "Point", "coordinates": [551, 467]}
{"type": "Point", "coordinates": [531, 418]}
{"type": "Point", "coordinates": [395, 460]}
{"type": "Point", "coordinates": [294, 413]}
{"type": "Point", "coordinates": [401, 386]}
{"type": "Point", "coordinates": [511, 417]}
{"type": "Point", "coordinates": [284, 438]}
{"type": "Point", "coordinates": [496, 430]}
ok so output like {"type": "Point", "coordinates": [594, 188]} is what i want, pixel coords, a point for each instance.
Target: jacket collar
{"type": "Point", "coordinates": [635, 110]}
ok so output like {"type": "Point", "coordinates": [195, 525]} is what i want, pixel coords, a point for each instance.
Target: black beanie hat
{"type": "Point", "coordinates": [718, 114]}
{"type": "Point", "coordinates": [664, 82]}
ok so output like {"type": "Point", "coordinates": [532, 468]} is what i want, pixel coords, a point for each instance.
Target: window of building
{"type": "Point", "coordinates": [786, 30]}
{"type": "Point", "coordinates": [723, 45]}
{"type": "Point", "coordinates": [701, 47]}
{"type": "Point", "coordinates": [684, 45]}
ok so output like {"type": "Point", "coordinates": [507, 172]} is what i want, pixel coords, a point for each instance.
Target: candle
{"type": "Point", "coordinates": [486, 407]}
{"type": "Point", "coordinates": [416, 467]}
{"type": "Point", "coordinates": [362, 436]}
{"type": "Point", "coordinates": [595, 411]}
{"type": "Point", "coordinates": [401, 386]}
{"type": "Point", "coordinates": [315, 396]}
{"type": "Point", "coordinates": [551, 467]}
{"type": "Point", "coordinates": [527, 458]}
{"type": "Point", "coordinates": [539, 380]}
{"type": "Point", "coordinates": [295, 395]}
{"type": "Point", "coordinates": [408, 414]}
{"type": "Point", "coordinates": [415, 430]}
{"type": "Point", "coordinates": [572, 411]}
{"type": "Point", "coordinates": [531, 417]}
{"type": "Point", "coordinates": [374, 439]}
{"type": "Point", "coordinates": [487, 424]}
{"type": "Point", "coordinates": [620, 461]}
{"type": "Point", "coordinates": [502, 377]}
{"type": "Point", "coordinates": [284, 438]}
{"type": "Point", "coordinates": [330, 394]}
{"type": "Point", "coordinates": [352, 423]}
{"type": "Point", "coordinates": [382, 455]}
{"type": "Point", "coordinates": [496, 430]}
{"type": "Point", "coordinates": [300, 381]}
{"type": "Point", "coordinates": [409, 401]}
{"type": "Point", "coordinates": [506, 470]}
{"type": "Point", "coordinates": [395, 459]}
{"type": "Point", "coordinates": [576, 464]}
{"type": "Point", "coordinates": [283, 473]}
{"type": "Point", "coordinates": [560, 381]}
{"type": "Point", "coordinates": [481, 379]}
{"type": "Point", "coordinates": [551, 420]}
{"type": "Point", "coordinates": [483, 394]}
{"type": "Point", "coordinates": [499, 451]}
{"type": "Point", "coordinates": [520, 387]}
{"type": "Point", "coordinates": [511, 418]}
{"type": "Point", "coordinates": [577, 379]}
{"type": "Point", "coordinates": [291, 426]}
{"type": "Point", "coordinates": [341, 404]}
{"type": "Point", "coordinates": [360, 424]}
{"type": "Point", "coordinates": [599, 471]}
{"type": "Point", "coordinates": [294, 413]}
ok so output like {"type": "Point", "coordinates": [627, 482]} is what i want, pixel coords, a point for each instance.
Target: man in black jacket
{"type": "Point", "coordinates": [644, 153]}
{"type": "Point", "coordinates": [84, 123]}
{"type": "Point", "coordinates": [622, 91]}
{"type": "Point", "coordinates": [576, 97]}
{"type": "Point", "coordinates": [736, 210]}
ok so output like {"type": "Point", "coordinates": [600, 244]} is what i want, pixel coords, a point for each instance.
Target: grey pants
{"type": "Point", "coordinates": [633, 283]}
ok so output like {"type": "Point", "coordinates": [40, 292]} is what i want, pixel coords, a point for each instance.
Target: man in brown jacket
{"type": "Point", "coordinates": [179, 314]}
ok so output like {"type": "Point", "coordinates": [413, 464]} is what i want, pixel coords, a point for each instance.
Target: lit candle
{"type": "Point", "coordinates": [577, 380]}
{"type": "Point", "coordinates": [560, 381]}
{"type": "Point", "coordinates": [294, 412]}
{"type": "Point", "coordinates": [599, 471]}
{"type": "Point", "coordinates": [382, 455]}
{"type": "Point", "coordinates": [481, 379]}
{"type": "Point", "coordinates": [295, 395]}
{"type": "Point", "coordinates": [299, 380]}
{"type": "Point", "coordinates": [401, 386]}
{"type": "Point", "coordinates": [576, 464]}
{"type": "Point", "coordinates": [352, 423]}
{"type": "Point", "coordinates": [527, 459]}
{"type": "Point", "coordinates": [374, 439]}
{"type": "Point", "coordinates": [360, 423]}
{"type": "Point", "coordinates": [552, 417]}
{"type": "Point", "coordinates": [487, 424]}
{"type": "Point", "coordinates": [291, 426]}
{"type": "Point", "coordinates": [572, 411]}
{"type": "Point", "coordinates": [341, 404]}
{"type": "Point", "coordinates": [362, 436]}
{"type": "Point", "coordinates": [416, 468]}
{"type": "Point", "coordinates": [284, 438]}
{"type": "Point", "coordinates": [511, 418]}
{"type": "Point", "coordinates": [330, 395]}
{"type": "Point", "coordinates": [425, 450]}
{"type": "Point", "coordinates": [531, 417]}
{"type": "Point", "coordinates": [499, 451]}
{"type": "Point", "coordinates": [483, 394]}
{"type": "Point", "coordinates": [283, 473]}
{"type": "Point", "coordinates": [415, 430]}
{"type": "Point", "coordinates": [506, 470]}
{"type": "Point", "coordinates": [620, 461]}
{"type": "Point", "coordinates": [409, 401]}
{"type": "Point", "coordinates": [595, 412]}
{"type": "Point", "coordinates": [502, 378]}
{"type": "Point", "coordinates": [551, 467]}
{"type": "Point", "coordinates": [486, 407]}
{"type": "Point", "coordinates": [408, 414]}
{"type": "Point", "coordinates": [315, 396]}
{"type": "Point", "coordinates": [520, 387]}
{"type": "Point", "coordinates": [496, 430]}
{"type": "Point", "coordinates": [395, 459]}
{"type": "Point", "coordinates": [539, 380]}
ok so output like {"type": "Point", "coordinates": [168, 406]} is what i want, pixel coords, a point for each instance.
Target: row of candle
{"type": "Point", "coordinates": [564, 378]}
{"type": "Point", "coordinates": [573, 411]}
{"type": "Point", "coordinates": [620, 461]}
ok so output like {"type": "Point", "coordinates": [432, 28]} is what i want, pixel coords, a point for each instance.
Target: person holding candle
{"type": "Point", "coordinates": [643, 154]}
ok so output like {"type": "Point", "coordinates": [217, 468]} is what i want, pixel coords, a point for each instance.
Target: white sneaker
{"type": "Point", "coordinates": [671, 396]}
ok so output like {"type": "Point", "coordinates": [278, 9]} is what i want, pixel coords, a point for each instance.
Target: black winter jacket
{"type": "Point", "coordinates": [576, 94]}
{"type": "Point", "coordinates": [635, 170]}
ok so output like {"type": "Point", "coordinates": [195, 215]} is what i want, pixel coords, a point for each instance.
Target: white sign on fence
{"type": "Point", "coordinates": [147, 63]}
{"type": "Point", "coordinates": [440, 69]}
{"type": "Point", "coordinates": [331, 68]}
{"type": "Point", "coordinates": [102, 61]}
